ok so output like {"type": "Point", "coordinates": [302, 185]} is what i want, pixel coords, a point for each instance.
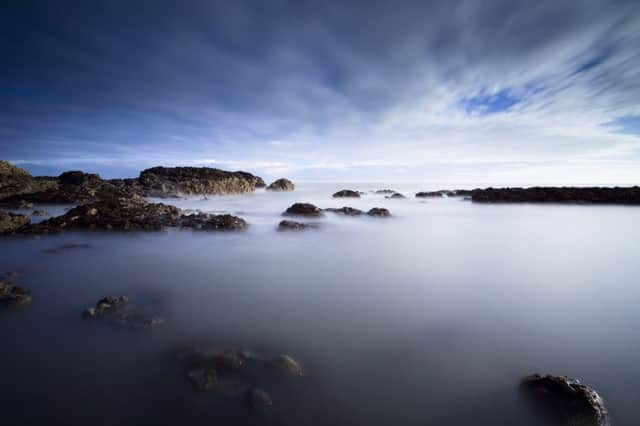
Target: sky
{"type": "Point", "coordinates": [505, 91]}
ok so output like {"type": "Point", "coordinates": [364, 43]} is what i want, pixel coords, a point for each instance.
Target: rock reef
{"type": "Point", "coordinates": [10, 223]}
{"type": "Point", "coordinates": [580, 195]}
{"type": "Point", "coordinates": [116, 311]}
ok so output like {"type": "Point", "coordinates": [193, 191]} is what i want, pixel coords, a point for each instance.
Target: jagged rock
{"type": "Point", "coordinates": [592, 195]}
{"type": "Point", "coordinates": [395, 195]}
{"type": "Point", "coordinates": [258, 398]}
{"type": "Point", "coordinates": [429, 194]}
{"type": "Point", "coordinates": [204, 379]}
{"type": "Point", "coordinates": [292, 225]}
{"type": "Point", "coordinates": [178, 181]}
{"type": "Point", "coordinates": [379, 212]}
{"type": "Point", "coordinates": [287, 364]}
{"type": "Point", "coordinates": [281, 185]}
{"type": "Point", "coordinates": [347, 211]}
{"type": "Point", "coordinates": [11, 223]}
{"type": "Point", "coordinates": [385, 191]}
{"type": "Point", "coordinates": [303, 209]}
{"type": "Point", "coordinates": [346, 193]}
{"type": "Point", "coordinates": [565, 400]}
{"type": "Point", "coordinates": [212, 222]}
{"type": "Point", "coordinates": [12, 295]}
{"type": "Point", "coordinates": [15, 181]}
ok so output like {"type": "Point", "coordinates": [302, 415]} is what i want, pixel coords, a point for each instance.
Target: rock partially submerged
{"type": "Point", "coordinates": [379, 212]}
{"type": "Point", "coordinates": [385, 191]}
{"type": "Point", "coordinates": [292, 225]}
{"type": "Point", "coordinates": [281, 185]}
{"type": "Point", "coordinates": [203, 379]}
{"type": "Point", "coordinates": [430, 194]}
{"type": "Point", "coordinates": [347, 211]}
{"type": "Point", "coordinates": [395, 195]}
{"type": "Point", "coordinates": [12, 295]}
{"type": "Point", "coordinates": [580, 195]}
{"type": "Point", "coordinates": [213, 222]}
{"type": "Point", "coordinates": [41, 213]}
{"type": "Point", "coordinates": [116, 310]}
{"type": "Point", "coordinates": [565, 400]}
{"type": "Point", "coordinates": [11, 223]}
{"type": "Point", "coordinates": [347, 193]}
{"type": "Point", "coordinates": [303, 209]}
{"type": "Point", "coordinates": [287, 364]}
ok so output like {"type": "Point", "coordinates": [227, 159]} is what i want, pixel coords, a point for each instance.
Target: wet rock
{"type": "Point", "coordinates": [12, 295]}
{"type": "Point", "coordinates": [429, 194]}
{"type": "Point", "coordinates": [40, 213]}
{"type": "Point", "coordinates": [395, 196]}
{"type": "Point", "coordinates": [15, 181]}
{"type": "Point", "coordinates": [105, 305]}
{"type": "Point", "coordinates": [11, 223]}
{"type": "Point", "coordinates": [287, 364]}
{"type": "Point", "coordinates": [385, 191]}
{"type": "Point", "coordinates": [258, 399]}
{"type": "Point", "coordinates": [292, 225]}
{"type": "Point", "coordinates": [179, 181]}
{"type": "Point", "coordinates": [347, 193]}
{"type": "Point", "coordinates": [592, 195]}
{"type": "Point", "coordinates": [203, 379]}
{"type": "Point", "coordinates": [303, 209]}
{"type": "Point", "coordinates": [212, 222]}
{"type": "Point", "coordinates": [117, 311]}
{"type": "Point", "coordinates": [281, 185]}
{"type": "Point", "coordinates": [347, 211]}
{"type": "Point", "coordinates": [379, 212]}
{"type": "Point", "coordinates": [565, 400]}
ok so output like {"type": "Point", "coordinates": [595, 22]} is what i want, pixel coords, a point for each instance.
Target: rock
{"type": "Point", "coordinates": [292, 225]}
{"type": "Point", "coordinates": [25, 205]}
{"type": "Point", "coordinates": [346, 193]}
{"type": "Point", "coordinates": [39, 213]}
{"type": "Point", "coordinates": [204, 379]}
{"type": "Point", "coordinates": [11, 223]}
{"type": "Point", "coordinates": [105, 305]}
{"type": "Point", "coordinates": [592, 195]}
{"type": "Point", "coordinates": [385, 191]}
{"type": "Point", "coordinates": [281, 185]}
{"type": "Point", "coordinates": [258, 398]}
{"type": "Point", "coordinates": [117, 311]}
{"type": "Point", "coordinates": [303, 209]}
{"type": "Point", "coordinates": [212, 222]}
{"type": "Point", "coordinates": [12, 295]}
{"type": "Point", "coordinates": [15, 181]}
{"type": "Point", "coordinates": [395, 195]}
{"type": "Point", "coordinates": [565, 400]}
{"type": "Point", "coordinates": [137, 319]}
{"type": "Point", "coordinates": [429, 194]}
{"type": "Point", "coordinates": [347, 211]}
{"type": "Point", "coordinates": [287, 364]}
{"type": "Point", "coordinates": [179, 181]}
{"type": "Point", "coordinates": [379, 212]}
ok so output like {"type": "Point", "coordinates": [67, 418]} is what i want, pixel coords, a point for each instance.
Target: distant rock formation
{"type": "Point", "coordinates": [281, 185]}
{"type": "Point", "coordinates": [430, 194]}
{"type": "Point", "coordinates": [345, 193]}
{"type": "Point", "coordinates": [384, 191]}
{"type": "Point", "coordinates": [585, 195]}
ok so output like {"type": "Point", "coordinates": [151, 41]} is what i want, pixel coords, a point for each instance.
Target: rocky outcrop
{"type": "Point", "coordinates": [292, 225]}
{"type": "Point", "coordinates": [11, 223]}
{"type": "Point", "coordinates": [347, 211]}
{"type": "Point", "coordinates": [379, 212]}
{"type": "Point", "coordinates": [395, 196]}
{"type": "Point", "coordinates": [581, 195]}
{"type": "Point", "coordinates": [15, 181]}
{"type": "Point", "coordinates": [281, 185]}
{"type": "Point", "coordinates": [179, 181]}
{"type": "Point", "coordinates": [12, 295]}
{"type": "Point", "coordinates": [303, 209]}
{"type": "Point", "coordinates": [213, 222]}
{"type": "Point", "coordinates": [116, 311]}
{"type": "Point", "coordinates": [346, 193]}
{"type": "Point", "coordinates": [565, 401]}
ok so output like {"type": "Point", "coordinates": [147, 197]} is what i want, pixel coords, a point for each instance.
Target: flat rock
{"type": "Point", "coordinates": [347, 193]}
{"type": "Point", "coordinates": [385, 191]}
{"type": "Point", "coordinates": [12, 295]}
{"type": "Point", "coordinates": [565, 400]}
{"type": "Point", "coordinates": [430, 194]}
{"type": "Point", "coordinates": [379, 212]}
{"type": "Point", "coordinates": [287, 364]}
{"type": "Point", "coordinates": [347, 211]}
{"type": "Point", "coordinates": [281, 185]}
{"type": "Point", "coordinates": [303, 209]}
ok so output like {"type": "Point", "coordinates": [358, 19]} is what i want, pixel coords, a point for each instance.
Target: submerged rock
{"type": "Point", "coordinates": [345, 193]}
{"type": "Point", "coordinates": [116, 310]}
{"type": "Point", "coordinates": [281, 185]}
{"type": "Point", "coordinates": [11, 223]}
{"type": "Point", "coordinates": [395, 195]}
{"type": "Point", "coordinates": [203, 379]}
{"type": "Point", "coordinates": [105, 305]}
{"type": "Point", "coordinates": [292, 225]}
{"type": "Point", "coordinates": [347, 211]}
{"type": "Point", "coordinates": [40, 213]}
{"type": "Point", "coordinates": [379, 212]}
{"type": "Point", "coordinates": [385, 191]}
{"type": "Point", "coordinates": [287, 364]}
{"type": "Point", "coordinates": [258, 398]}
{"type": "Point", "coordinates": [212, 222]}
{"type": "Point", "coordinates": [429, 194]}
{"type": "Point", "coordinates": [592, 195]}
{"type": "Point", "coordinates": [565, 400]}
{"type": "Point", "coordinates": [303, 209]}
{"type": "Point", "coordinates": [12, 295]}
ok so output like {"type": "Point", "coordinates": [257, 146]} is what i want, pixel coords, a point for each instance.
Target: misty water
{"type": "Point", "coordinates": [430, 317]}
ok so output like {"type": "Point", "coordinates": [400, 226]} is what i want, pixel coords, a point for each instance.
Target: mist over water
{"type": "Point", "coordinates": [429, 317]}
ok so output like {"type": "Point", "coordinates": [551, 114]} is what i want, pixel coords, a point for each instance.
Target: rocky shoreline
{"type": "Point", "coordinates": [571, 195]}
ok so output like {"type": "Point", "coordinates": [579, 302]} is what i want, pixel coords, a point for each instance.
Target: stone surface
{"type": "Point", "coordinates": [212, 222]}
{"type": "Point", "coordinates": [203, 379]}
{"type": "Point", "coordinates": [429, 194]}
{"type": "Point", "coordinates": [385, 191]}
{"type": "Point", "coordinates": [565, 400]}
{"type": "Point", "coordinates": [592, 195]}
{"type": "Point", "coordinates": [11, 223]}
{"type": "Point", "coordinates": [292, 225]}
{"type": "Point", "coordinates": [12, 295]}
{"type": "Point", "coordinates": [287, 364]}
{"type": "Point", "coordinates": [346, 193]}
{"type": "Point", "coordinates": [347, 211]}
{"type": "Point", "coordinates": [379, 212]}
{"type": "Point", "coordinates": [303, 209]}
{"type": "Point", "coordinates": [281, 185]}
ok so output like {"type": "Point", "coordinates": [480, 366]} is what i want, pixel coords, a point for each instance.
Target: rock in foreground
{"type": "Point", "coordinates": [592, 195]}
{"type": "Point", "coordinates": [281, 185]}
{"type": "Point", "coordinates": [303, 209]}
{"type": "Point", "coordinates": [379, 212]}
{"type": "Point", "coordinates": [565, 400]}
{"type": "Point", "coordinates": [346, 193]}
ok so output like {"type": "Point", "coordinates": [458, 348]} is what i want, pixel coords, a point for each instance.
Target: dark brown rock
{"type": "Point", "coordinates": [204, 379]}
{"type": "Point", "coordinates": [385, 191]}
{"type": "Point", "coordinates": [379, 212]}
{"type": "Point", "coordinates": [347, 211]}
{"type": "Point", "coordinates": [212, 222]}
{"type": "Point", "coordinates": [292, 225]}
{"type": "Point", "coordinates": [346, 193]}
{"type": "Point", "coordinates": [281, 185]}
{"type": "Point", "coordinates": [429, 194]}
{"type": "Point", "coordinates": [579, 195]}
{"type": "Point", "coordinates": [303, 209]}
{"type": "Point", "coordinates": [12, 295]}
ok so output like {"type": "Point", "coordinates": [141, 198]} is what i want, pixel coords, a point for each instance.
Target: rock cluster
{"type": "Point", "coordinates": [384, 191]}
{"type": "Point", "coordinates": [565, 400]}
{"type": "Point", "coordinates": [15, 181]}
{"type": "Point", "coordinates": [346, 193]}
{"type": "Point", "coordinates": [213, 222]}
{"type": "Point", "coordinates": [115, 309]}
{"type": "Point", "coordinates": [281, 185]}
{"type": "Point", "coordinates": [430, 194]}
{"type": "Point", "coordinates": [592, 195]}
{"type": "Point", "coordinates": [303, 209]}
{"type": "Point", "coordinates": [12, 295]}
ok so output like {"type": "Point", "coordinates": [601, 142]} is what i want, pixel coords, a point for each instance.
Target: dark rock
{"type": "Point", "coordinates": [15, 181]}
{"type": "Point", "coordinates": [212, 222]}
{"type": "Point", "coordinates": [203, 379]}
{"type": "Point", "coordinates": [25, 205]}
{"type": "Point", "coordinates": [292, 225]}
{"type": "Point", "coordinates": [178, 181]}
{"type": "Point", "coordinates": [258, 399]}
{"type": "Point", "coordinates": [287, 364]}
{"type": "Point", "coordinates": [347, 211]}
{"type": "Point", "coordinates": [591, 195]}
{"type": "Point", "coordinates": [565, 400]}
{"type": "Point", "coordinates": [346, 193]}
{"type": "Point", "coordinates": [430, 194]}
{"type": "Point", "coordinates": [11, 223]}
{"type": "Point", "coordinates": [40, 213]}
{"type": "Point", "coordinates": [303, 209]}
{"type": "Point", "coordinates": [379, 212]}
{"type": "Point", "coordinates": [385, 191]}
{"type": "Point", "coordinates": [12, 295]}
{"type": "Point", "coordinates": [281, 185]}
{"type": "Point", "coordinates": [117, 311]}
{"type": "Point", "coordinates": [105, 305]}
{"type": "Point", "coordinates": [137, 319]}
{"type": "Point", "coordinates": [395, 195]}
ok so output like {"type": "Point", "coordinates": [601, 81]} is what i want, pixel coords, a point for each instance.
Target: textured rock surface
{"type": "Point", "coordinates": [347, 211]}
{"type": "Point", "coordinates": [281, 185]}
{"type": "Point", "coordinates": [212, 222]}
{"type": "Point", "coordinates": [565, 401]}
{"type": "Point", "coordinates": [292, 225]}
{"type": "Point", "coordinates": [429, 194]}
{"type": "Point", "coordinates": [287, 364]}
{"type": "Point", "coordinates": [15, 181]}
{"type": "Point", "coordinates": [592, 195]}
{"type": "Point", "coordinates": [116, 311]}
{"type": "Point", "coordinates": [347, 193]}
{"type": "Point", "coordinates": [379, 212]}
{"type": "Point", "coordinates": [12, 295]}
{"type": "Point", "coordinates": [303, 209]}
{"type": "Point", "coordinates": [11, 223]}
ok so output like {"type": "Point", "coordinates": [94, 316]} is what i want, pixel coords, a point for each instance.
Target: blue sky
{"type": "Point", "coordinates": [442, 91]}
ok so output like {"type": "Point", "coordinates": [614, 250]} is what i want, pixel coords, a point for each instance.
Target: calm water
{"type": "Point", "coordinates": [427, 318]}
